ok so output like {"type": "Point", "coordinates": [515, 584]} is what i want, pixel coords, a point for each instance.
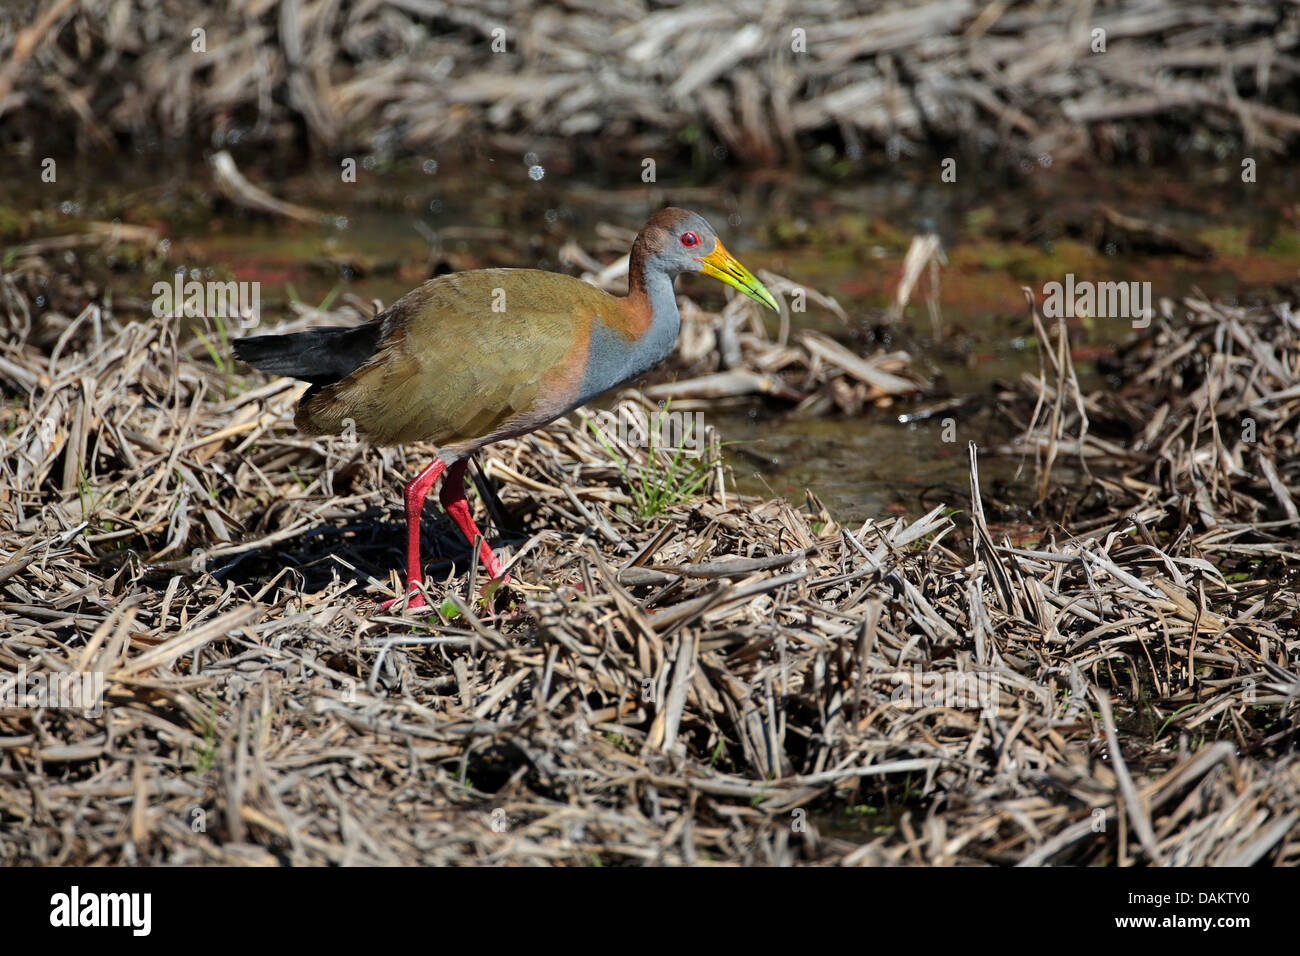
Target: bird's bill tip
{"type": "Point", "coordinates": [722, 265]}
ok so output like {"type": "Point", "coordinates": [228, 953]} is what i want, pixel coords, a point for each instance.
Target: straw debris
{"type": "Point", "coordinates": [1028, 79]}
{"type": "Point", "coordinates": [728, 681]}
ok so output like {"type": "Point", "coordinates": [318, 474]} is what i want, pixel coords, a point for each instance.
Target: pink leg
{"type": "Point", "coordinates": [453, 500]}
{"type": "Point", "coordinates": [416, 490]}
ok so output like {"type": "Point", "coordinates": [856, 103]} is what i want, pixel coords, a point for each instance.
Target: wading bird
{"type": "Point", "coordinates": [474, 357]}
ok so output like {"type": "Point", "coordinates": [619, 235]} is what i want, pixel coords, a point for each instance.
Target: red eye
{"type": "Point", "coordinates": [690, 239]}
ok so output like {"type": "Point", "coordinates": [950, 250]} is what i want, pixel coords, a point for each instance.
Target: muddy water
{"type": "Point", "coordinates": [396, 225]}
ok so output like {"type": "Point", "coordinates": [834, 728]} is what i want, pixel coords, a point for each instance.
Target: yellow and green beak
{"type": "Point", "coordinates": [721, 264]}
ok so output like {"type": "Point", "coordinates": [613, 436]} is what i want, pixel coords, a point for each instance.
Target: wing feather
{"type": "Point", "coordinates": [451, 369]}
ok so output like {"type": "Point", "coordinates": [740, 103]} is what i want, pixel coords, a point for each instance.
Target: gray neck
{"type": "Point", "coordinates": [666, 322]}
{"type": "Point", "coordinates": [612, 360]}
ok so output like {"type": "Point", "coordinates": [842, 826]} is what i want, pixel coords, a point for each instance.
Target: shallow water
{"type": "Point", "coordinates": [396, 225]}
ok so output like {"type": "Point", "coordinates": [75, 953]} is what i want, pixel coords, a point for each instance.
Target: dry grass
{"type": "Point", "coordinates": [1020, 77]}
{"type": "Point", "coordinates": [718, 683]}
{"type": "Point", "coordinates": [1203, 431]}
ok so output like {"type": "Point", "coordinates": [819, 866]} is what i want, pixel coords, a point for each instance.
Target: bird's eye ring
{"type": "Point", "coordinates": [690, 239]}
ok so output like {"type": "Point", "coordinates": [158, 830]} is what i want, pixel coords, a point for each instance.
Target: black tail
{"type": "Point", "coordinates": [319, 356]}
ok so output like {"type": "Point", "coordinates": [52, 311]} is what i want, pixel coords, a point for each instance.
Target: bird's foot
{"type": "Point", "coordinates": [414, 600]}
{"type": "Point", "coordinates": [415, 597]}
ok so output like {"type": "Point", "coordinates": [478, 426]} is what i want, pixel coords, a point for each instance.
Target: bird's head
{"type": "Point", "coordinates": [678, 240]}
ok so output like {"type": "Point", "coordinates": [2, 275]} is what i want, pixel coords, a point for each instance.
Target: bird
{"type": "Point", "coordinates": [471, 358]}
